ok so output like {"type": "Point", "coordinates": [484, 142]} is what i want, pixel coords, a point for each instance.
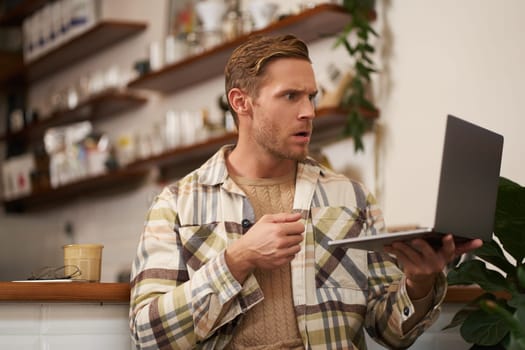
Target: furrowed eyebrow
{"type": "Point", "coordinates": [298, 91]}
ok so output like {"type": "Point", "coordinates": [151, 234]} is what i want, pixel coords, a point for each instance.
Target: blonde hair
{"type": "Point", "coordinates": [246, 65]}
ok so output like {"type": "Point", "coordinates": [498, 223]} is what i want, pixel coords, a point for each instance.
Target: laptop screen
{"type": "Point", "coordinates": [468, 184]}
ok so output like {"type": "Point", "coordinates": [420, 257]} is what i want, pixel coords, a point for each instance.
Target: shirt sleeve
{"type": "Point", "coordinates": [168, 307]}
{"type": "Point", "coordinates": [421, 308]}
{"type": "Point", "coordinates": [389, 305]}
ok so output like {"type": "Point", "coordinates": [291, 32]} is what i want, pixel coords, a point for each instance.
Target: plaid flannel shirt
{"type": "Point", "coordinates": [184, 296]}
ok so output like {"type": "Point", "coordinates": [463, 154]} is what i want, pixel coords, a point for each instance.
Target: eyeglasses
{"type": "Point", "coordinates": [55, 273]}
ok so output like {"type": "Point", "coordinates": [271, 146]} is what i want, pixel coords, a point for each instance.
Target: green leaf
{"type": "Point", "coordinates": [520, 316]}
{"type": "Point", "coordinates": [354, 104]}
{"type": "Point", "coordinates": [339, 41]}
{"type": "Point", "coordinates": [362, 71]}
{"type": "Point", "coordinates": [520, 275]}
{"type": "Point", "coordinates": [357, 86]}
{"type": "Point", "coordinates": [359, 20]}
{"type": "Point", "coordinates": [492, 253]}
{"type": "Point", "coordinates": [517, 301]}
{"type": "Point", "coordinates": [355, 127]}
{"type": "Point", "coordinates": [516, 343]}
{"type": "Point", "coordinates": [367, 104]}
{"type": "Point", "coordinates": [361, 4]}
{"type": "Point", "coordinates": [346, 30]}
{"type": "Point", "coordinates": [371, 30]}
{"type": "Point", "coordinates": [361, 47]}
{"type": "Point", "coordinates": [460, 317]}
{"type": "Point", "coordinates": [510, 218]}
{"type": "Point", "coordinates": [466, 310]}
{"type": "Point", "coordinates": [368, 48]}
{"type": "Point", "coordinates": [344, 41]}
{"type": "Point", "coordinates": [350, 5]}
{"type": "Point", "coordinates": [500, 309]}
{"type": "Point", "coordinates": [517, 338]}
{"type": "Point", "coordinates": [483, 328]}
{"type": "Point", "coordinates": [362, 34]}
{"type": "Point", "coordinates": [475, 272]}
{"type": "Point", "coordinates": [368, 60]}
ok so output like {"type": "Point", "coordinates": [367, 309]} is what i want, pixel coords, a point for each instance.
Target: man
{"type": "Point", "coordinates": [235, 254]}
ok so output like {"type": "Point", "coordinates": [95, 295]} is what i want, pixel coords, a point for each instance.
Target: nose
{"type": "Point", "coordinates": [307, 109]}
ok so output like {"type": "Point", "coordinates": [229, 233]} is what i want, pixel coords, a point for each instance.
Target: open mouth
{"type": "Point", "coordinates": [303, 134]}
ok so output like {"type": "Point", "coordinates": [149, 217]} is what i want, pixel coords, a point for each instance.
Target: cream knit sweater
{"type": "Point", "coordinates": [270, 324]}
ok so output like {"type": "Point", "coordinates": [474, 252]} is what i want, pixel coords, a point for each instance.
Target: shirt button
{"type": "Point", "coordinates": [406, 311]}
{"type": "Point", "coordinates": [246, 223]}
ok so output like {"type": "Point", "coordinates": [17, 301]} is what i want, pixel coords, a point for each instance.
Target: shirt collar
{"type": "Point", "coordinates": [214, 171]}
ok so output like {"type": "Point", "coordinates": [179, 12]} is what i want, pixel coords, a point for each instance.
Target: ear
{"type": "Point", "coordinates": [239, 101]}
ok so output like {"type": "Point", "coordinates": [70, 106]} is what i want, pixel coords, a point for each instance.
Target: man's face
{"type": "Point", "coordinates": [284, 109]}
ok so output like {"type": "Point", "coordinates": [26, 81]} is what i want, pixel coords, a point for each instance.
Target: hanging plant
{"type": "Point", "coordinates": [356, 40]}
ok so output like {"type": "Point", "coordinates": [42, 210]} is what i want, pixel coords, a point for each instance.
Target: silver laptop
{"type": "Point", "coordinates": [468, 189]}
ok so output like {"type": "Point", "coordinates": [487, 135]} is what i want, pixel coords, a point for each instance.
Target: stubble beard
{"type": "Point", "coordinates": [268, 139]}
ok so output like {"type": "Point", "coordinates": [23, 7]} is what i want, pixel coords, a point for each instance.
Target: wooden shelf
{"type": "Point", "coordinates": [64, 292]}
{"type": "Point", "coordinates": [16, 15]}
{"type": "Point", "coordinates": [187, 152]}
{"type": "Point", "coordinates": [328, 123]}
{"type": "Point", "coordinates": [321, 21]}
{"type": "Point", "coordinates": [120, 292]}
{"type": "Point", "coordinates": [92, 41]}
{"type": "Point", "coordinates": [45, 199]}
{"type": "Point", "coordinates": [100, 106]}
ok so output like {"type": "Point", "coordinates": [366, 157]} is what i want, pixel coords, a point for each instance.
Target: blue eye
{"type": "Point", "coordinates": [291, 96]}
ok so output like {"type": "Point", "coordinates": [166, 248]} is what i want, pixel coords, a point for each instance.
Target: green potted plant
{"type": "Point", "coordinates": [491, 321]}
{"type": "Point", "coordinates": [356, 38]}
